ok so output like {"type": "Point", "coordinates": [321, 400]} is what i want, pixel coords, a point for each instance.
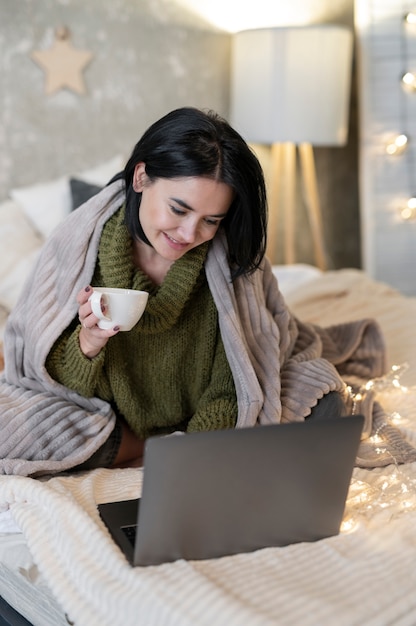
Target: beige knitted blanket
{"type": "Point", "coordinates": [281, 366]}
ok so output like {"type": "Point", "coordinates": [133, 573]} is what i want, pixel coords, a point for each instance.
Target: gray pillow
{"type": "Point", "coordinates": [81, 191]}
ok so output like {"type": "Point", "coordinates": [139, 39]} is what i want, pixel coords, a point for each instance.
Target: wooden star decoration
{"type": "Point", "coordinates": [63, 64]}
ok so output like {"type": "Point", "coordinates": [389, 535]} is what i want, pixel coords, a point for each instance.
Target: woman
{"type": "Point", "coordinates": [188, 176]}
{"type": "Point", "coordinates": [216, 346]}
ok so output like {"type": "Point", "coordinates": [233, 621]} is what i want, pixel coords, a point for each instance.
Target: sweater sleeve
{"type": "Point", "coordinates": [67, 364]}
{"type": "Point", "coordinates": [217, 408]}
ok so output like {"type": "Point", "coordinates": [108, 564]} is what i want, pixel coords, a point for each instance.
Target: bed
{"type": "Point", "coordinates": [58, 565]}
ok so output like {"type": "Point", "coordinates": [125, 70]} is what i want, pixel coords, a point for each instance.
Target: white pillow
{"type": "Point", "coordinates": [46, 204]}
{"type": "Point", "coordinates": [292, 277]}
{"type": "Point", "coordinates": [19, 245]}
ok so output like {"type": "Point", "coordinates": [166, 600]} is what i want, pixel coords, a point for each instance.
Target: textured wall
{"type": "Point", "coordinates": [150, 56]}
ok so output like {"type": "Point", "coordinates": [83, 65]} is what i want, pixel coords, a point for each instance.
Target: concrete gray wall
{"type": "Point", "coordinates": [150, 56]}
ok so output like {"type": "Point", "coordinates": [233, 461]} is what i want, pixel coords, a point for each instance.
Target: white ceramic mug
{"type": "Point", "coordinates": [124, 307]}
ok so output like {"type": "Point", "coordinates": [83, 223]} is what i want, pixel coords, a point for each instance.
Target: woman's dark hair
{"type": "Point", "coordinates": [190, 142]}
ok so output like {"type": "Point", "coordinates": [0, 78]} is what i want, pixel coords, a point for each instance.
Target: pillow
{"type": "Point", "coordinates": [19, 245]}
{"type": "Point", "coordinates": [293, 277]}
{"type": "Point", "coordinates": [81, 191]}
{"type": "Point", "coordinates": [46, 204]}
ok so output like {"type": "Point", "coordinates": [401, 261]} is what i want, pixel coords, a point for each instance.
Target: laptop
{"type": "Point", "coordinates": [211, 494]}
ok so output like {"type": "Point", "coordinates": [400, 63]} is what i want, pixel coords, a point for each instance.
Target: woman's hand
{"type": "Point", "coordinates": [92, 339]}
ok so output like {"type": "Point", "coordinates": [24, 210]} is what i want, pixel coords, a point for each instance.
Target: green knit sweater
{"type": "Point", "coordinates": [170, 372]}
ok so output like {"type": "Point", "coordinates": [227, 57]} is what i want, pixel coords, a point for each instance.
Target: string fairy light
{"type": "Point", "coordinates": [397, 144]}
{"type": "Point", "coordinates": [410, 17]}
{"type": "Point", "coordinates": [409, 81]}
{"type": "Point", "coordinates": [408, 210]}
{"type": "Point", "coordinates": [393, 492]}
{"type": "Point", "coordinates": [400, 143]}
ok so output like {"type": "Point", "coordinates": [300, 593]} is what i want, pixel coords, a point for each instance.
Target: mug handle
{"type": "Point", "coordinates": [96, 299]}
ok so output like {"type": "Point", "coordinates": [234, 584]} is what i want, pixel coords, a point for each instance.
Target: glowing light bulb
{"type": "Point", "coordinates": [410, 18]}
{"type": "Point", "coordinates": [397, 145]}
{"type": "Point", "coordinates": [376, 439]}
{"type": "Point", "coordinates": [348, 525]}
{"type": "Point", "coordinates": [409, 81]}
{"type": "Point", "coordinates": [396, 418]}
{"type": "Point", "coordinates": [408, 211]}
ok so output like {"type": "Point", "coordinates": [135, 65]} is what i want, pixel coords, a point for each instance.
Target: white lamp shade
{"type": "Point", "coordinates": [292, 84]}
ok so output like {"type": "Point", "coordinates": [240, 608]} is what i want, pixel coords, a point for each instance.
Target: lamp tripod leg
{"type": "Point", "coordinates": [274, 201]}
{"type": "Point", "coordinates": [312, 200]}
{"type": "Point", "coordinates": [289, 198]}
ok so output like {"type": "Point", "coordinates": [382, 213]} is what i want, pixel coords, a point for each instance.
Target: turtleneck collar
{"type": "Point", "coordinates": [167, 301]}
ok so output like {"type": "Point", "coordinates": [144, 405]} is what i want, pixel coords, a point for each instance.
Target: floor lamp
{"type": "Point", "coordinates": [290, 90]}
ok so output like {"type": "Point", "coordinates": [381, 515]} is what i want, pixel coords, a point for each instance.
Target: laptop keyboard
{"type": "Point", "coordinates": [130, 532]}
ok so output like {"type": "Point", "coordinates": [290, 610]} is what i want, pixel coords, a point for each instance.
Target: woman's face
{"type": "Point", "coordinates": [178, 214]}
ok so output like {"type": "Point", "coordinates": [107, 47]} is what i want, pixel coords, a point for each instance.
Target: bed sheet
{"type": "Point", "coordinates": [365, 575]}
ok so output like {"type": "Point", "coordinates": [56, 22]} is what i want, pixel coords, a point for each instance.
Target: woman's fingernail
{"type": "Point", "coordinates": [116, 328]}
{"type": "Point", "coordinates": [87, 289]}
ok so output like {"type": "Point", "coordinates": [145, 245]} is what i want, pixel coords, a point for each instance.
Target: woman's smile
{"type": "Point", "coordinates": [175, 244]}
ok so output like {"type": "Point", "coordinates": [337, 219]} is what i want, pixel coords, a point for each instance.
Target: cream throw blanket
{"type": "Point", "coordinates": [281, 366]}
